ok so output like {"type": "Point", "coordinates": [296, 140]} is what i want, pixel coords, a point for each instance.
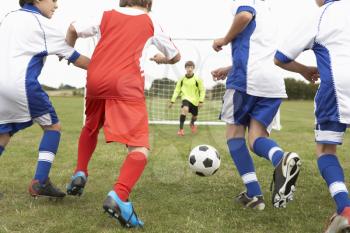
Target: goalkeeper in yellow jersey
{"type": "Point", "coordinates": [192, 92]}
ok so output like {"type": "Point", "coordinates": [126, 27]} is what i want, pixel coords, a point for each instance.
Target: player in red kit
{"type": "Point", "coordinates": [115, 98]}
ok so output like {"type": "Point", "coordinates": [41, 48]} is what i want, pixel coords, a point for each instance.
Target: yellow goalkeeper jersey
{"type": "Point", "coordinates": [191, 89]}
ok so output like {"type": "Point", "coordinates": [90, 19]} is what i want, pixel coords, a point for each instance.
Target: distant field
{"type": "Point", "coordinates": [169, 198]}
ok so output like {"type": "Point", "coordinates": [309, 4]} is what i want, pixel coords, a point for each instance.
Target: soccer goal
{"type": "Point", "coordinates": [160, 82]}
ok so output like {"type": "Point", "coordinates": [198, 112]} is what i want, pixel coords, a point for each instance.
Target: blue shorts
{"type": "Point", "coordinates": [44, 120]}
{"type": "Point", "coordinates": [330, 133]}
{"type": "Point", "coordinates": [239, 107]}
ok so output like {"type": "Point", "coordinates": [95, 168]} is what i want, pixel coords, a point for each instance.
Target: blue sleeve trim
{"type": "Point", "coordinates": [74, 57]}
{"type": "Point", "coordinates": [246, 8]}
{"type": "Point", "coordinates": [282, 58]}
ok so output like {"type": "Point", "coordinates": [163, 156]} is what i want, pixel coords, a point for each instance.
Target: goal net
{"type": "Point", "coordinates": [160, 82]}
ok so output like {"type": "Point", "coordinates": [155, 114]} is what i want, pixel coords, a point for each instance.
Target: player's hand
{"type": "Point", "coordinates": [220, 73]}
{"type": "Point", "coordinates": [311, 74]}
{"type": "Point", "coordinates": [60, 58]}
{"type": "Point", "coordinates": [200, 104]}
{"type": "Point", "coordinates": [170, 104]}
{"type": "Point", "coordinates": [159, 58]}
{"type": "Point", "coordinates": [218, 43]}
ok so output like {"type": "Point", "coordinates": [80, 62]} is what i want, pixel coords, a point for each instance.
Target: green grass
{"type": "Point", "coordinates": [169, 198]}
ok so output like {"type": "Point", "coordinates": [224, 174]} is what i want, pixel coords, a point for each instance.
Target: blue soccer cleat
{"type": "Point", "coordinates": [123, 211]}
{"type": "Point", "coordinates": [77, 184]}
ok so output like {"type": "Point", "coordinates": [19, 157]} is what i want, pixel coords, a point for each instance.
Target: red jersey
{"type": "Point", "coordinates": [115, 71]}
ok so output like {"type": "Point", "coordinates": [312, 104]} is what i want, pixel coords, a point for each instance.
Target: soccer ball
{"type": "Point", "coordinates": [204, 160]}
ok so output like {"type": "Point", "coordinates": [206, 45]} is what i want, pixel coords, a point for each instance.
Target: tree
{"type": "Point", "coordinates": [162, 88]}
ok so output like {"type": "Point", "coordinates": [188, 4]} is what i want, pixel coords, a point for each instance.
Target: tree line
{"type": "Point", "coordinates": [296, 89]}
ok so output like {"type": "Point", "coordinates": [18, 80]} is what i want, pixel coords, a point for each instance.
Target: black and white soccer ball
{"type": "Point", "coordinates": [204, 160]}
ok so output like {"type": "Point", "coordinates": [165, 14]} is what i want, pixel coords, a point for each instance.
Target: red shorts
{"type": "Point", "coordinates": [122, 121]}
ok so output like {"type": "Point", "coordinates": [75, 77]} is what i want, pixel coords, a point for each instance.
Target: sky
{"type": "Point", "coordinates": [184, 20]}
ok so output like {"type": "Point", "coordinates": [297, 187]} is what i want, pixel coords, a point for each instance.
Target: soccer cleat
{"type": "Point", "coordinates": [284, 179]}
{"type": "Point", "coordinates": [44, 190]}
{"type": "Point", "coordinates": [193, 128]}
{"type": "Point", "coordinates": [339, 223]}
{"type": "Point", "coordinates": [123, 211]}
{"type": "Point", "coordinates": [256, 202]}
{"type": "Point", "coordinates": [77, 184]}
{"type": "Point", "coordinates": [181, 132]}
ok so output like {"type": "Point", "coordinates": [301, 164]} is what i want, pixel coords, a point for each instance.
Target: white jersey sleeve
{"type": "Point", "coordinates": [244, 5]}
{"type": "Point", "coordinates": [56, 43]}
{"type": "Point", "coordinates": [301, 38]}
{"type": "Point", "coordinates": [163, 41]}
{"type": "Point", "coordinates": [89, 26]}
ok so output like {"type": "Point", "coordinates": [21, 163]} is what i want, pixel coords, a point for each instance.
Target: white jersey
{"type": "Point", "coordinates": [26, 38]}
{"type": "Point", "coordinates": [252, 54]}
{"type": "Point", "coordinates": [328, 35]}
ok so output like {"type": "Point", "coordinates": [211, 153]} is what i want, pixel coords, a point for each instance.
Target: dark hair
{"type": "Point", "coordinates": [189, 63]}
{"type": "Point", "coordinates": [22, 2]}
{"type": "Point", "coordinates": [142, 3]}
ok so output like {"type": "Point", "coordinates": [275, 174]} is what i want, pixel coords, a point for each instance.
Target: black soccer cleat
{"type": "Point", "coordinates": [256, 202]}
{"type": "Point", "coordinates": [44, 190]}
{"type": "Point", "coordinates": [284, 178]}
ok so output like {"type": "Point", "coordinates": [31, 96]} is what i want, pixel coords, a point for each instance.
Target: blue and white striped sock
{"type": "Point", "coordinates": [268, 149]}
{"type": "Point", "coordinates": [332, 173]}
{"type": "Point", "coordinates": [245, 166]}
{"type": "Point", "coordinates": [47, 151]}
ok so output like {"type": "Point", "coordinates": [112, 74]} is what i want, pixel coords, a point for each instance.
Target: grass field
{"type": "Point", "coordinates": [169, 198]}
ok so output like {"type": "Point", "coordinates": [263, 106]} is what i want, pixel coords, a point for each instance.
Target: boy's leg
{"type": "Point", "coordinates": [131, 171]}
{"type": "Point", "coordinates": [89, 134]}
{"type": "Point", "coordinates": [287, 165]}
{"type": "Point", "coordinates": [47, 151]}
{"type": "Point", "coordinates": [332, 172]}
{"type": "Point", "coordinates": [4, 139]}
{"type": "Point", "coordinates": [41, 184]}
{"type": "Point", "coordinates": [245, 166]}
{"type": "Point", "coordinates": [117, 203]}
{"type": "Point", "coordinates": [132, 131]}
{"type": "Point", "coordinates": [328, 136]}
{"type": "Point", "coordinates": [87, 144]}
{"type": "Point", "coordinates": [194, 111]}
{"type": "Point", "coordinates": [263, 146]}
{"type": "Point", "coordinates": [184, 111]}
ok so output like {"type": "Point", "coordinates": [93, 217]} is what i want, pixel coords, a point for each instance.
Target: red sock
{"type": "Point", "coordinates": [130, 173]}
{"type": "Point", "coordinates": [87, 145]}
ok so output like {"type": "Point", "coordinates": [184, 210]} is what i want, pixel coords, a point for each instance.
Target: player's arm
{"type": "Point", "coordinates": [310, 73]}
{"type": "Point", "coordinates": [302, 38]}
{"type": "Point", "coordinates": [71, 36]}
{"type": "Point", "coordinates": [177, 91]}
{"type": "Point", "coordinates": [221, 73]}
{"type": "Point", "coordinates": [162, 59]}
{"type": "Point", "coordinates": [57, 45]}
{"type": "Point", "coordinates": [169, 53]}
{"type": "Point", "coordinates": [82, 62]}
{"type": "Point", "coordinates": [240, 22]}
{"type": "Point", "coordinates": [201, 91]}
